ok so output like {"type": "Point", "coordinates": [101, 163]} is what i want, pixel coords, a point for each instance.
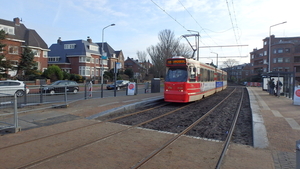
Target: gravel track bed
{"type": "Point", "coordinates": [215, 126]}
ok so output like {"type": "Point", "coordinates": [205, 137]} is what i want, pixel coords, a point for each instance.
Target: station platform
{"type": "Point", "coordinates": [275, 124]}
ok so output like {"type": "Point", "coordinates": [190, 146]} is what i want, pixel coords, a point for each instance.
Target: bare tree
{"type": "Point", "coordinates": [229, 63]}
{"type": "Point", "coordinates": [167, 47]}
{"type": "Point", "coordinates": [184, 50]}
{"type": "Point", "coordinates": [141, 56]}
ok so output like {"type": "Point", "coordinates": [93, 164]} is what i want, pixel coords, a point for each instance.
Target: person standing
{"type": "Point", "coordinates": [278, 88]}
{"type": "Point", "coordinates": [272, 86]}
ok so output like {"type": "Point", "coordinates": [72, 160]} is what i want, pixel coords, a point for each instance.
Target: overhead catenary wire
{"type": "Point", "coordinates": [234, 29]}
{"type": "Point", "coordinates": [169, 15]}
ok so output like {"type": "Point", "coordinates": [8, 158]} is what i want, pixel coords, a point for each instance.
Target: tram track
{"type": "Point", "coordinates": [175, 138]}
{"type": "Point", "coordinates": [40, 161]}
{"type": "Point", "coordinates": [46, 158]}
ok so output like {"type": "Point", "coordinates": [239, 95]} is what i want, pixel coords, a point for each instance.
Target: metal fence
{"type": "Point", "coordinates": [39, 98]}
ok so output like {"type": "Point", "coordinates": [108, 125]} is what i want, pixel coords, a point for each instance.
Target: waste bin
{"type": "Point", "coordinates": [155, 85]}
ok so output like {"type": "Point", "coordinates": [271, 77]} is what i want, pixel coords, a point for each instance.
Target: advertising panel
{"type": "Point", "coordinates": [297, 95]}
{"type": "Point", "coordinates": [131, 88]}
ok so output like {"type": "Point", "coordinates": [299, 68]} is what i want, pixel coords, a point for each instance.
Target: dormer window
{"type": "Point", "coordinates": [7, 29]}
{"type": "Point", "coordinates": [93, 47]}
{"type": "Point", "coordinates": [69, 46]}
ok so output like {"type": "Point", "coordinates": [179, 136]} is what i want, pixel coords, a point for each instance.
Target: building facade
{"type": "Point", "coordinates": [281, 55]}
{"type": "Point", "coordinates": [140, 69]}
{"type": "Point", "coordinates": [83, 57]}
{"type": "Point", "coordinates": [17, 38]}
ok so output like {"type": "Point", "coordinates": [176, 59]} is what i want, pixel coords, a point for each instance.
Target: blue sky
{"type": "Point", "coordinates": [138, 22]}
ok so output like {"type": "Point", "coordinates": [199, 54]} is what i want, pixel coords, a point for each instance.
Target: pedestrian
{"type": "Point", "coordinates": [278, 88]}
{"type": "Point", "coordinates": [272, 86]}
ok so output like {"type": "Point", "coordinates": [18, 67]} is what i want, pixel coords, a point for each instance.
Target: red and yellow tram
{"type": "Point", "coordinates": [189, 80]}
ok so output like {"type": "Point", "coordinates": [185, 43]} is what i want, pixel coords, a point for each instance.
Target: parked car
{"type": "Point", "coordinates": [11, 87]}
{"type": "Point", "coordinates": [60, 86]}
{"type": "Point", "coordinates": [120, 84]}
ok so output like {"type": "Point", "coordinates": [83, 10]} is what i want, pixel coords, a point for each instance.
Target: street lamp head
{"type": "Point", "coordinates": [113, 24]}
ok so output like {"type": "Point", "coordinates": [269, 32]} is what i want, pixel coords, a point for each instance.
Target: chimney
{"type": "Point", "coordinates": [59, 40]}
{"type": "Point", "coordinates": [89, 39]}
{"type": "Point", "coordinates": [17, 21]}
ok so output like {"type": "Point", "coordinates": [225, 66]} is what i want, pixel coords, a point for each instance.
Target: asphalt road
{"type": "Point", "coordinates": [37, 98]}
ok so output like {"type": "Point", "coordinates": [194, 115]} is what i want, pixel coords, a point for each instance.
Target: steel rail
{"type": "Point", "coordinates": [229, 136]}
{"type": "Point", "coordinates": [166, 144]}
{"type": "Point", "coordinates": [67, 131]}
{"type": "Point", "coordinates": [41, 160]}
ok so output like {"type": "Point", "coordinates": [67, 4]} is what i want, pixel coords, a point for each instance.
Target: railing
{"type": "Point", "coordinates": [40, 98]}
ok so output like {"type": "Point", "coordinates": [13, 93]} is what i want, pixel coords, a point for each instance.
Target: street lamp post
{"type": "Point", "coordinates": [269, 63]}
{"type": "Point", "coordinates": [217, 57]}
{"type": "Point", "coordinates": [102, 52]}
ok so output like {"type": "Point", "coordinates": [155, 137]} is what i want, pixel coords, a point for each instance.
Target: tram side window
{"type": "Point", "coordinates": [219, 77]}
{"type": "Point", "coordinates": [211, 75]}
{"type": "Point", "coordinates": [204, 75]}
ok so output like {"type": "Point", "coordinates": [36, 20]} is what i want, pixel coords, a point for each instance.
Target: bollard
{"type": "Point", "coordinates": [25, 94]}
{"type": "Point", "coordinates": [41, 94]}
{"type": "Point", "coordinates": [298, 154]}
{"type": "Point", "coordinates": [16, 124]}
{"type": "Point", "coordinates": [66, 97]}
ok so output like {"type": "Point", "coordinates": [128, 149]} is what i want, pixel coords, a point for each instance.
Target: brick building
{"type": "Point", "coordinates": [284, 56]}
{"type": "Point", "coordinates": [18, 37]}
{"type": "Point", "coordinates": [83, 57]}
{"type": "Point", "coordinates": [140, 70]}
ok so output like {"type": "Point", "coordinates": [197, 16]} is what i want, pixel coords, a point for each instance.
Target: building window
{"type": "Point", "coordinates": [53, 59]}
{"type": "Point", "coordinates": [280, 50]}
{"type": "Point", "coordinates": [69, 46]}
{"type": "Point", "coordinates": [274, 60]}
{"type": "Point", "coordinates": [286, 69]}
{"type": "Point", "coordinates": [265, 42]}
{"type": "Point", "coordinates": [265, 61]}
{"type": "Point", "coordinates": [287, 50]}
{"type": "Point", "coordinates": [274, 51]}
{"type": "Point", "coordinates": [297, 59]}
{"type": "Point", "coordinates": [35, 52]}
{"type": "Point", "coordinates": [45, 54]}
{"type": "Point", "coordinates": [94, 48]}
{"type": "Point", "coordinates": [13, 50]}
{"type": "Point", "coordinates": [83, 59]}
{"type": "Point", "coordinates": [84, 70]}
{"type": "Point", "coordinates": [279, 60]}
{"type": "Point", "coordinates": [8, 29]}
{"type": "Point", "coordinates": [265, 53]}
{"type": "Point", "coordinates": [287, 60]}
